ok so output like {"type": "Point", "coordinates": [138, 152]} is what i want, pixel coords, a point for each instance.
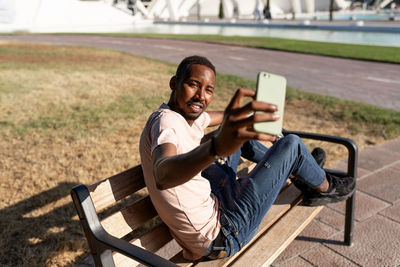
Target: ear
{"type": "Point", "coordinates": [173, 82]}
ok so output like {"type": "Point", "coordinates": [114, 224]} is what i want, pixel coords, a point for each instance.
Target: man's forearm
{"type": "Point", "coordinates": [216, 117]}
{"type": "Point", "coordinates": [208, 136]}
{"type": "Point", "coordinates": [175, 170]}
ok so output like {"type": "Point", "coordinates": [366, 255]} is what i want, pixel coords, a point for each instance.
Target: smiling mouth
{"type": "Point", "coordinates": [196, 106]}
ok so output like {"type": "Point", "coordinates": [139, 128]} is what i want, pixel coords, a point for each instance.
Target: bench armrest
{"type": "Point", "coordinates": [103, 243]}
{"type": "Point", "coordinates": [348, 143]}
{"type": "Point", "coordinates": [352, 162]}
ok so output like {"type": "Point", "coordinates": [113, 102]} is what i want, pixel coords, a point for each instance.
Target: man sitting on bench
{"type": "Point", "coordinates": [209, 212]}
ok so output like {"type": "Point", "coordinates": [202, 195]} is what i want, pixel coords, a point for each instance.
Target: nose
{"type": "Point", "coordinates": [201, 93]}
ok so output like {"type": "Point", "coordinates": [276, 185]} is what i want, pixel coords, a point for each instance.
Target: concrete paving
{"type": "Point", "coordinates": [376, 236]}
{"type": "Point", "coordinates": [377, 212]}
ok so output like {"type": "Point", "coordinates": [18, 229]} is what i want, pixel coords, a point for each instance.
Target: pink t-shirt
{"type": "Point", "coordinates": [189, 210]}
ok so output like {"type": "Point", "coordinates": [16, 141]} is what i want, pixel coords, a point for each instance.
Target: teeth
{"type": "Point", "coordinates": [196, 106]}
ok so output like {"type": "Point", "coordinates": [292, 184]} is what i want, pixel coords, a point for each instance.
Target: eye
{"type": "Point", "coordinates": [193, 84]}
{"type": "Point", "coordinates": [210, 90]}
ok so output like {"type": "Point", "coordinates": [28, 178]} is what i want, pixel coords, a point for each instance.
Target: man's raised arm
{"type": "Point", "coordinates": [171, 169]}
{"type": "Point", "coordinates": [216, 118]}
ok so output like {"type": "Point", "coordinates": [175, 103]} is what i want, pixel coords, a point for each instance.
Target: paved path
{"type": "Point", "coordinates": [376, 236]}
{"type": "Point", "coordinates": [369, 82]}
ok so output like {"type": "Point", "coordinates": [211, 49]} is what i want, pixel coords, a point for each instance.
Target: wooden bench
{"type": "Point", "coordinates": [130, 231]}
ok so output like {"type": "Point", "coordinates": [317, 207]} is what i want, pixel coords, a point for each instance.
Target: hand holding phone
{"type": "Point", "coordinates": [271, 88]}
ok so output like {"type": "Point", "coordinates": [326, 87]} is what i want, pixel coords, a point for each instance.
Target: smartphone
{"type": "Point", "coordinates": [271, 88]}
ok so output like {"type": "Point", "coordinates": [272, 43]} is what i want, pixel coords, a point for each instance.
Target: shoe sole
{"type": "Point", "coordinates": [320, 201]}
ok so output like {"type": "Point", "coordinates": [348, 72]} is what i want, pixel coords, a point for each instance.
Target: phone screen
{"type": "Point", "coordinates": [271, 88]}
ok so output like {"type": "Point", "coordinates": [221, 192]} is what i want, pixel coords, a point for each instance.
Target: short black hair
{"type": "Point", "coordinates": [185, 66]}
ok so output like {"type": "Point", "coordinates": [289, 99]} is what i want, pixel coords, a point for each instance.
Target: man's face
{"type": "Point", "coordinates": [193, 95]}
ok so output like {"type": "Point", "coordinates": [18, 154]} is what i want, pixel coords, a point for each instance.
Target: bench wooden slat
{"type": "Point", "coordinates": [170, 248]}
{"type": "Point", "coordinates": [158, 241]}
{"type": "Point", "coordinates": [285, 200]}
{"type": "Point", "coordinates": [179, 260]}
{"type": "Point", "coordinates": [155, 239]}
{"type": "Point", "coordinates": [124, 261]}
{"type": "Point", "coordinates": [125, 221]}
{"type": "Point", "coordinates": [117, 187]}
{"type": "Point", "coordinates": [268, 247]}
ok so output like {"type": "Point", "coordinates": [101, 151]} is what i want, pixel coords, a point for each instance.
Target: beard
{"type": "Point", "coordinates": [188, 116]}
{"type": "Point", "coordinates": [191, 117]}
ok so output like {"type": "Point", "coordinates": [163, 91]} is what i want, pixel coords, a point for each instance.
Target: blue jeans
{"type": "Point", "coordinates": [245, 201]}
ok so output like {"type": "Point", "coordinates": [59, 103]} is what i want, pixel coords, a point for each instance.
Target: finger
{"type": "Point", "coordinates": [249, 113]}
{"type": "Point", "coordinates": [252, 106]}
{"type": "Point", "coordinates": [252, 135]}
{"type": "Point", "coordinates": [250, 120]}
{"type": "Point", "coordinates": [238, 97]}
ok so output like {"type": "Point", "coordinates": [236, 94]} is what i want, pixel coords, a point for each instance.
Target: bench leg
{"type": "Point", "coordinates": [349, 220]}
{"type": "Point", "coordinates": [350, 203]}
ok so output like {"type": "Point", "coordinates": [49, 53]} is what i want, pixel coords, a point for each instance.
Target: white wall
{"type": "Point", "coordinates": [7, 11]}
{"type": "Point", "coordinates": [66, 15]}
{"type": "Point", "coordinates": [207, 8]}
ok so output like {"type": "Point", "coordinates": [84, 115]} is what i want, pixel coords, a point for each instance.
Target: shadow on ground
{"type": "Point", "coordinates": [35, 230]}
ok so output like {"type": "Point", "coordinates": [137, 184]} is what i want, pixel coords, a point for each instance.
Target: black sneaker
{"type": "Point", "coordinates": [340, 188]}
{"type": "Point", "coordinates": [320, 157]}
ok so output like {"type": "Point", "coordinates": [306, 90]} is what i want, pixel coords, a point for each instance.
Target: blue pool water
{"type": "Point", "coordinates": [362, 16]}
{"type": "Point", "coordinates": [342, 36]}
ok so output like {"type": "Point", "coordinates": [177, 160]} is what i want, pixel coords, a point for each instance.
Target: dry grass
{"type": "Point", "coordinates": [62, 124]}
{"type": "Point", "coordinates": [71, 115]}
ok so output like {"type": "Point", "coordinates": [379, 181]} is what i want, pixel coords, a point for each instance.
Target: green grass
{"type": "Point", "coordinates": [363, 117]}
{"type": "Point", "coordinates": [366, 118]}
{"type": "Point", "coordinates": [351, 51]}
{"type": "Point", "coordinates": [85, 119]}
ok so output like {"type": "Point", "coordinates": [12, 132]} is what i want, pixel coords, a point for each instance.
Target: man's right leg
{"type": "Point", "coordinates": [335, 188]}
{"type": "Point", "coordinates": [246, 201]}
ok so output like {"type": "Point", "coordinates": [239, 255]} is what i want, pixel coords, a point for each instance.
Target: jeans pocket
{"type": "Point", "coordinates": [227, 225]}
